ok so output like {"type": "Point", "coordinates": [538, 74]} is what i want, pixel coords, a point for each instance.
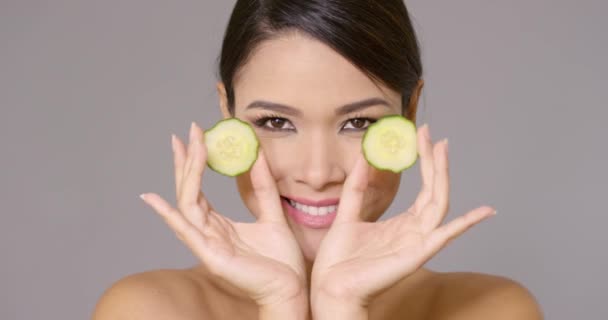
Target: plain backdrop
{"type": "Point", "coordinates": [90, 92]}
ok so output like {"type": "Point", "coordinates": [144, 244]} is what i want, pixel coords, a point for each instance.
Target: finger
{"type": "Point", "coordinates": [191, 183]}
{"type": "Point", "coordinates": [351, 199]}
{"type": "Point", "coordinates": [444, 234]}
{"type": "Point", "coordinates": [437, 209]}
{"type": "Point", "coordinates": [425, 146]}
{"type": "Point", "coordinates": [183, 229]}
{"type": "Point", "coordinates": [189, 154]}
{"type": "Point", "coordinates": [172, 216]}
{"type": "Point", "coordinates": [266, 192]}
{"type": "Point", "coordinates": [179, 161]}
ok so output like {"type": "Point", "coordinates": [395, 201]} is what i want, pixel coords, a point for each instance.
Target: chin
{"type": "Point", "coordinates": [308, 239]}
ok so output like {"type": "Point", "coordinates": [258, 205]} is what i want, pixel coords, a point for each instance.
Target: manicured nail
{"type": "Point", "coordinates": [446, 145]}
{"type": "Point", "coordinates": [143, 196]}
{"type": "Point", "coordinates": [173, 142]}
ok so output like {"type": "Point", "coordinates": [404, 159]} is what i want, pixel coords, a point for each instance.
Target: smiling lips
{"type": "Point", "coordinates": [312, 214]}
{"type": "Point", "coordinates": [317, 203]}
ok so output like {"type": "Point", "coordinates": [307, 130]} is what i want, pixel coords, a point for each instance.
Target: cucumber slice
{"type": "Point", "coordinates": [390, 143]}
{"type": "Point", "coordinates": [232, 147]}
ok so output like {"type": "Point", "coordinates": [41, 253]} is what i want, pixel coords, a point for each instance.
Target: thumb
{"type": "Point", "coordinates": [351, 200]}
{"type": "Point", "coordinates": [265, 190]}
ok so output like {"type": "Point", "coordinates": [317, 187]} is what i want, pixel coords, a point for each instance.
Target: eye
{"type": "Point", "coordinates": [358, 123]}
{"type": "Point", "coordinates": [274, 124]}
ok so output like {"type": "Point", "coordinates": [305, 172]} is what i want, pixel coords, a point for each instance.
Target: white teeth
{"type": "Point", "coordinates": [311, 210]}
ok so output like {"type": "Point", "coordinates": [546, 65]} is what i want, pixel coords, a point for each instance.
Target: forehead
{"type": "Point", "coordinates": [302, 71]}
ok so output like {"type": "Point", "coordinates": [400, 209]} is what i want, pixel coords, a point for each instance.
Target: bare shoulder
{"type": "Point", "coordinates": [468, 295]}
{"type": "Point", "coordinates": [157, 294]}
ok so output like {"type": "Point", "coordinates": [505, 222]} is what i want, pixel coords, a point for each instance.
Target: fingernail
{"type": "Point", "coordinates": [423, 129]}
{"type": "Point", "coordinates": [192, 131]}
{"type": "Point", "coordinates": [446, 145]}
{"type": "Point", "coordinates": [173, 142]}
{"type": "Point", "coordinates": [143, 196]}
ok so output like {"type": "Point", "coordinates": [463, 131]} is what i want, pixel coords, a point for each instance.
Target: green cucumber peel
{"type": "Point", "coordinates": [390, 144]}
{"type": "Point", "coordinates": [232, 147]}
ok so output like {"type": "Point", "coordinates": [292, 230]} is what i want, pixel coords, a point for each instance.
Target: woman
{"type": "Point", "coordinates": [310, 77]}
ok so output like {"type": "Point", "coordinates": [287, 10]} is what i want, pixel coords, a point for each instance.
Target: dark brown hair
{"type": "Point", "coordinates": [375, 35]}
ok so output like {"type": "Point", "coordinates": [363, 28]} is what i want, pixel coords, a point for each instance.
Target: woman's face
{"type": "Point", "coordinates": [309, 144]}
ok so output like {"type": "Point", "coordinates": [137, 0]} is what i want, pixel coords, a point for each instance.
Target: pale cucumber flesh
{"type": "Point", "coordinates": [232, 147]}
{"type": "Point", "coordinates": [390, 143]}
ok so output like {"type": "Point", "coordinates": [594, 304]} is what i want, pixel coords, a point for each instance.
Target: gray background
{"type": "Point", "coordinates": [90, 92]}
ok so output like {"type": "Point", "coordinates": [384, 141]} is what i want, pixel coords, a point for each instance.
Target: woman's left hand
{"type": "Point", "coordinates": [358, 260]}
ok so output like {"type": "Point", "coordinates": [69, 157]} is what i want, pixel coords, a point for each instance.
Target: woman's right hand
{"type": "Point", "coordinates": [262, 259]}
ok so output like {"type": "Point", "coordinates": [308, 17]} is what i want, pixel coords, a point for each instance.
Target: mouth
{"type": "Point", "coordinates": [315, 215]}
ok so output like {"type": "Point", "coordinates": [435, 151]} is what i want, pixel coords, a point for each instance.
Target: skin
{"type": "Point", "coordinates": [360, 268]}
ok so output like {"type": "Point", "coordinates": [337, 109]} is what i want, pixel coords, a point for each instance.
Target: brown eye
{"type": "Point", "coordinates": [274, 124]}
{"type": "Point", "coordinates": [277, 123]}
{"type": "Point", "coordinates": [358, 123]}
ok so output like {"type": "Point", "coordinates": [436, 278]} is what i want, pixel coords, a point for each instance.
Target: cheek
{"type": "Point", "coordinates": [279, 152]}
{"type": "Point", "coordinates": [382, 188]}
{"type": "Point", "coordinates": [245, 189]}
{"type": "Point", "coordinates": [278, 164]}
{"type": "Point", "coordinates": [384, 180]}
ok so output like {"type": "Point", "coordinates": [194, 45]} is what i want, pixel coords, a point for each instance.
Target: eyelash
{"type": "Point", "coordinates": [261, 121]}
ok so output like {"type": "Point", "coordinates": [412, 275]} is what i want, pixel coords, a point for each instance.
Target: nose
{"type": "Point", "coordinates": [319, 162]}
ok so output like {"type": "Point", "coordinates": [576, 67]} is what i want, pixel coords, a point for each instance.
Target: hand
{"type": "Point", "coordinates": [262, 259]}
{"type": "Point", "coordinates": [358, 260]}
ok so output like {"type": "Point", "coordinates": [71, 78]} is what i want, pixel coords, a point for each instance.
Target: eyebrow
{"type": "Point", "coordinates": [345, 109]}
